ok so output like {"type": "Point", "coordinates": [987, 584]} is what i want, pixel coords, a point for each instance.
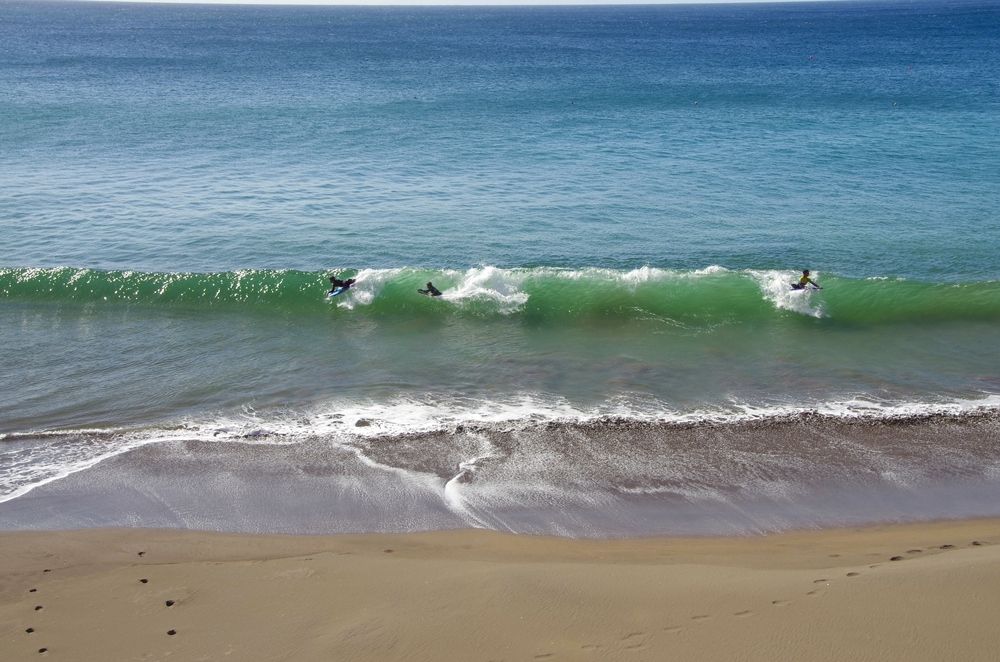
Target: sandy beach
{"type": "Point", "coordinates": [900, 592]}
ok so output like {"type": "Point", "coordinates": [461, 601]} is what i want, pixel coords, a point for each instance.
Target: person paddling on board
{"type": "Point", "coordinates": [336, 284]}
{"type": "Point", "coordinates": [431, 291]}
{"type": "Point", "coordinates": [805, 281]}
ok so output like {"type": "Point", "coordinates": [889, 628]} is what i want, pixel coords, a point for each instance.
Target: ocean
{"type": "Point", "coordinates": [613, 200]}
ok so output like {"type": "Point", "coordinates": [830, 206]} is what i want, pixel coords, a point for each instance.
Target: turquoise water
{"type": "Point", "coordinates": [614, 201]}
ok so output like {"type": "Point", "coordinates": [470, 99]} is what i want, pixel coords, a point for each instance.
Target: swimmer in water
{"type": "Point", "coordinates": [336, 284]}
{"type": "Point", "coordinates": [431, 291]}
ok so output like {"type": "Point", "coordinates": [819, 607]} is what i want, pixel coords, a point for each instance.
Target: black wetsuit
{"type": "Point", "coordinates": [336, 282]}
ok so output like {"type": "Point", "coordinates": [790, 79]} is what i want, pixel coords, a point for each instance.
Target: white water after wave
{"type": "Point", "coordinates": [32, 459]}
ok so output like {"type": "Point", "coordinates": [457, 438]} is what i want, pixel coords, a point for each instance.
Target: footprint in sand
{"type": "Point", "coordinates": [635, 641]}
{"type": "Point", "coordinates": [816, 593]}
{"type": "Point", "coordinates": [875, 566]}
{"type": "Point", "coordinates": [914, 551]}
{"type": "Point", "coordinates": [544, 656]}
{"type": "Point", "coordinates": [293, 573]}
{"type": "Point", "coordinates": [702, 617]}
{"type": "Point", "coordinates": [635, 645]}
{"type": "Point", "coordinates": [590, 647]}
{"type": "Point", "coordinates": [820, 581]}
{"type": "Point", "coordinates": [896, 558]}
{"type": "Point", "coordinates": [672, 628]}
{"type": "Point", "coordinates": [946, 547]}
{"type": "Point", "coordinates": [780, 603]}
{"type": "Point", "coordinates": [853, 574]}
{"type": "Point", "coordinates": [743, 614]}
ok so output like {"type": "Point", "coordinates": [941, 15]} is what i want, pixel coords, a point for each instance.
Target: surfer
{"type": "Point", "coordinates": [431, 291]}
{"type": "Point", "coordinates": [342, 285]}
{"type": "Point", "coordinates": [805, 281]}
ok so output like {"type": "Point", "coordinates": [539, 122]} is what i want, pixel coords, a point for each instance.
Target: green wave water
{"type": "Point", "coordinates": [706, 297]}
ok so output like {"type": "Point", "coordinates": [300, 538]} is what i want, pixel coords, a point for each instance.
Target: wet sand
{"type": "Point", "coordinates": [902, 592]}
{"type": "Point", "coordinates": [608, 478]}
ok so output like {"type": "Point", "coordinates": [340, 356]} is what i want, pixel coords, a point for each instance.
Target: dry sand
{"type": "Point", "coordinates": [837, 594]}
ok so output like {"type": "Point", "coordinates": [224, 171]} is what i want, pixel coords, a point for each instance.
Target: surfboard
{"type": "Point", "coordinates": [427, 293]}
{"type": "Point", "coordinates": [337, 290]}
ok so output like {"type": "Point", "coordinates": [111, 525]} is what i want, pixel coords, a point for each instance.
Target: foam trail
{"type": "Point", "coordinates": [453, 492]}
{"type": "Point", "coordinates": [370, 283]}
{"type": "Point", "coordinates": [29, 460]}
{"type": "Point", "coordinates": [776, 287]}
{"type": "Point", "coordinates": [500, 287]}
{"type": "Point", "coordinates": [29, 466]}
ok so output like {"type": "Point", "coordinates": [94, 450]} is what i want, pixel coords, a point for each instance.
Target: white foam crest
{"type": "Point", "coordinates": [642, 275]}
{"type": "Point", "coordinates": [369, 283]}
{"type": "Point", "coordinates": [709, 270]}
{"type": "Point", "coordinates": [865, 409]}
{"type": "Point", "coordinates": [776, 288]}
{"type": "Point", "coordinates": [407, 415]}
{"type": "Point", "coordinates": [500, 286]}
{"type": "Point", "coordinates": [635, 276]}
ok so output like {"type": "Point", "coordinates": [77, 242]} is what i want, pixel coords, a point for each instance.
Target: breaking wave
{"type": "Point", "coordinates": [689, 298]}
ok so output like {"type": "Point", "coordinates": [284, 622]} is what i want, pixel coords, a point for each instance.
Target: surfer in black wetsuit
{"type": "Point", "coordinates": [431, 291]}
{"type": "Point", "coordinates": [337, 283]}
{"type": "Point", "coordinates": [805, 281]}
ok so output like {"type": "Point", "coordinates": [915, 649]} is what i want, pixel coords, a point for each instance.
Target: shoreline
{"type": "Point", "coordinates": [898, 591]}
{"type": "Point", "coordinates": [603, 480]}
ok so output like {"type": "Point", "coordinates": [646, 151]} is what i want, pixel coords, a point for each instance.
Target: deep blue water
{"type": "Point", "coordinates": [857, 138]}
